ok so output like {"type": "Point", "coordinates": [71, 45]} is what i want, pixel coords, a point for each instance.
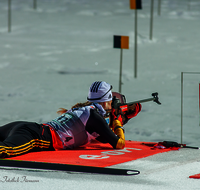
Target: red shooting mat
{"type": "Point", "coordinates": [94, 154]}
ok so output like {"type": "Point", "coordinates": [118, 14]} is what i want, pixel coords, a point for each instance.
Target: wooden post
{"type": "Point", "coordinates": [151, 20]}
{"type": "Point", "coordinates": [35, 4]}
{"type": "Point", "coordinates": [9, 15]}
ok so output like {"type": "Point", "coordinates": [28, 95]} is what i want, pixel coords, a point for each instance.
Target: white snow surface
{"type": "Point", "coordinates": [54, 53]}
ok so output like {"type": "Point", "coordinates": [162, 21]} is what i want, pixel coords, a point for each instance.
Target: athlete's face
{"type": "Point", "coordinates": [108, 105]}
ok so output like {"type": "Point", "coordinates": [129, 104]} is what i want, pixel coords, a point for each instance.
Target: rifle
{"type": "Point", "coordinates": [168, 144]}
{"type": "Point", "coordinates": [122, 108]}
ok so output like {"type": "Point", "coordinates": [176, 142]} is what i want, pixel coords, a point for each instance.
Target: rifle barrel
{"type": "Point", "coordinates": [140, 101]}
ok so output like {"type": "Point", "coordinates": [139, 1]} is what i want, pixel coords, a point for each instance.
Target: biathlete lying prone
{"type": "Point", "coordinates": [78, 126]}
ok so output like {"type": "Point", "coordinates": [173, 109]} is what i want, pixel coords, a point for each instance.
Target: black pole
{"type": "Point", "coordinates": [188, 5]}
{"type": "Point", "coordinates": [120, 70]}
{"type": "Point", "coordinates": [159, 7]}
{"type": "Point", "coordinates": [9, 15]}
{"type": "Point", "coordinates": [135, 52]}
{"type": "Point", "coordinates": [35, 4]}
{"type": "Point", "coordinates": [151, 20]}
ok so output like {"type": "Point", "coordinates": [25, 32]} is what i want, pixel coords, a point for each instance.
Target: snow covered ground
{"type": "Point", "coordinates": [54, 53]}
{"type": "Point", "coordinates": [166, 171]}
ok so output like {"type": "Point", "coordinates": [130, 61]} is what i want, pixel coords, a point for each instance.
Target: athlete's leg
{"type": "Point", "coordinates": [5, 129]}
{"type": "Point", "coordinates": [26, 136]}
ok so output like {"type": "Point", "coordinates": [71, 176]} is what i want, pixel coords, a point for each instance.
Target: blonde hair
{"type": "Point", "coordinates": [78, 105]}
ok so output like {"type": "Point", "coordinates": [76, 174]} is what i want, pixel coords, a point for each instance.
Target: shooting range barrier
{"type": "Point", "coordinates": [182, 75]}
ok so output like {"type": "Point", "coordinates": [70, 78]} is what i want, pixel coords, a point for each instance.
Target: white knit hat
{"type": "Point", "coordinates": [100, 91]}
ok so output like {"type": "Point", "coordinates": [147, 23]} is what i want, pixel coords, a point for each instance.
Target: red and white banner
{"type": "Point", "coordinates": [94, 154]}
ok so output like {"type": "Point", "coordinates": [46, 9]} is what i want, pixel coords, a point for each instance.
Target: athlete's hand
{"type": "Point", "coordinates": [117, 124]}
{"type": "Point", "coordinates": [115, 117]}
{"type": "Point", "coordinates": [119, 131]}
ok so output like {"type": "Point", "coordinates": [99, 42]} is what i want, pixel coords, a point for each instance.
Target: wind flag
{"type": "Point", "coordinates": [121, 42]}
{"type": "Point", "coordinates": [135, 4]}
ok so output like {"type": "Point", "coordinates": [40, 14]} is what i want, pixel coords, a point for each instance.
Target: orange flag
{"type": "Point", "coordinates": [121, 42]}
{"type": "Point", "coordinates": [135, 4]}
